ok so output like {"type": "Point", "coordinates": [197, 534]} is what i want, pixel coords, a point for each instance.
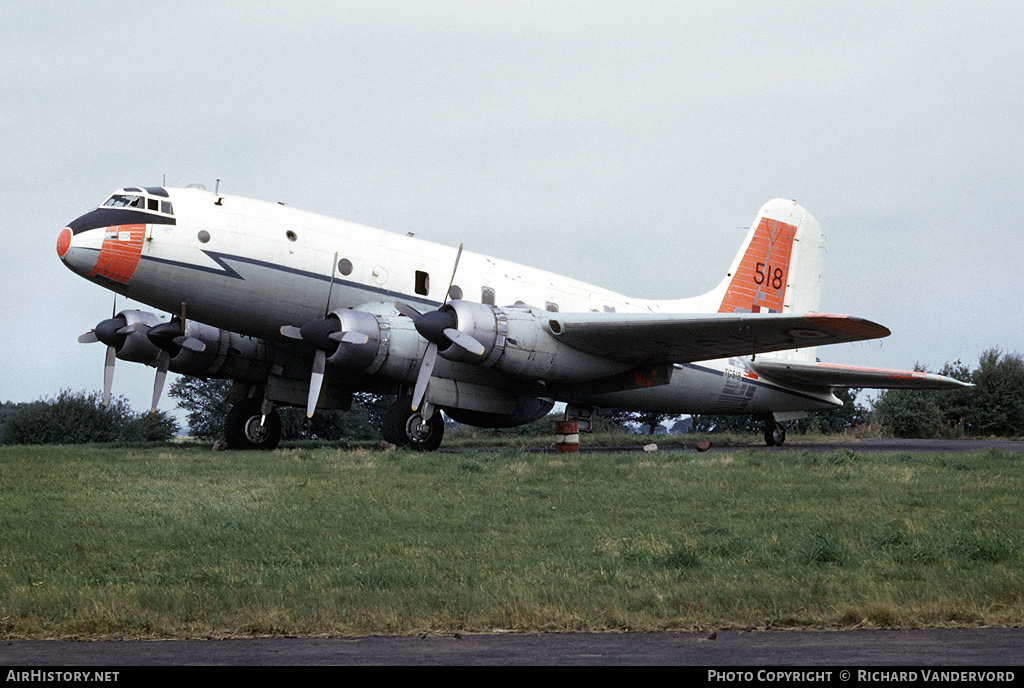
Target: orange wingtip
{"type": "Point", "coordinates": [849, 325]}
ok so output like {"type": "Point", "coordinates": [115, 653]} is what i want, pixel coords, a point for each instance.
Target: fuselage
{"type": "Point", "coordinates": [250, 267]}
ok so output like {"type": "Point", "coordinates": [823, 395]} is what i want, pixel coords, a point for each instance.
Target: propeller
{"type": "Point", "coordinates": [440, 329]}
{"type": "Point", "coordinates": [123, 334]}
{"type": "Point", "coordinates": [170, 338]}
{"type": "Point", "coordinates": [109, 332]}
{"type": "Point", "coordinates": [323, 334]}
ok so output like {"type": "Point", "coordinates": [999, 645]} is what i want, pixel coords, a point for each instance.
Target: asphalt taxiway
{"type": "Point", "coordinates": [973, 647]}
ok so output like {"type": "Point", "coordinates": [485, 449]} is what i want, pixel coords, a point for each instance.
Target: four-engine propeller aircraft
{"type": "Point", "coordinates": [303, 310]}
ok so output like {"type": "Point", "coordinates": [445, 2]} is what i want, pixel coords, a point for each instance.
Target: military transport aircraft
{"type": "Point", "coordinates": [303, 310]}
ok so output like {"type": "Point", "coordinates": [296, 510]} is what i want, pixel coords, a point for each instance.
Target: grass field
{"type": "Point", "coordinates": [185, 542]}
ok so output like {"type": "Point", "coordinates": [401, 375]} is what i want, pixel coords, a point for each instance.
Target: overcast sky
{"type": "Point", "coordinates": [628, 144]}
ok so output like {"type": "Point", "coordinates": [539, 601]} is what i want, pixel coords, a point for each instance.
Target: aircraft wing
{"type": "Point", "coordinates": [681, 338]}
{"type": "Point", "coordinates": [796, 374]}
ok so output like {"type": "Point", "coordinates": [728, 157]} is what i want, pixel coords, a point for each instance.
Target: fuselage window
{"type": "Point", "coordinates": [487, 296]}
{"type": "Point", "coordinates": [422, 283]}
{"type": "Point", "coordinates": [345, 266]}
{"type": "Point", "coordinates": [455, 292]}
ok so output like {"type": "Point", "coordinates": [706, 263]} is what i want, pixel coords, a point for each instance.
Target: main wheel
{"type": "Point", "coordinates": [245, 427]}
{"type": "Point", "coordinates": [774, 434]}
{"type": "Point", "coordinates": [405, 427]}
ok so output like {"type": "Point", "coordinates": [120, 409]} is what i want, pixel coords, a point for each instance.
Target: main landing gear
{"type": "Point", "coordinates": [774, 433]}
{"type": "Point", "coordinates": [248, 425]}
{"type": "Point", "coordinates": [407, 428]}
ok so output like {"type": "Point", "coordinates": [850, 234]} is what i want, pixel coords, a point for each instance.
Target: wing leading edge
{"type": "Point", "coordinates": [683, 338]}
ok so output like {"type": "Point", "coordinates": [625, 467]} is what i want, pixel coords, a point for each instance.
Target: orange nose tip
{"type": "Point", "coordinates": [63, 241]}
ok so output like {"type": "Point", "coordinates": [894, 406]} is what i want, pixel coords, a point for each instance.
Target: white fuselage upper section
{"type": "Point", "coordinates": [251, 266]}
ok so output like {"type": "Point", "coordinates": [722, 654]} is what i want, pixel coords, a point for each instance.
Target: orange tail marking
{"type": "Point", "coordinates": [759, 284]}
{"type": "Point", "coordinates": [120, 253]}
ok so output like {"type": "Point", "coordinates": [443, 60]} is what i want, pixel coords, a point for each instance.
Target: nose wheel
{"type": "Point", "coordinates": [407, 428]}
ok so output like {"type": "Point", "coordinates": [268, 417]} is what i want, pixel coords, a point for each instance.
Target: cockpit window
{"type": "Point", "coordinates": [140, 202]}
{"type": "Point", "coordinates": [125, 201]}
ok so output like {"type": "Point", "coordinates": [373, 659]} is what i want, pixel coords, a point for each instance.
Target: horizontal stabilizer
{"type": "Point", "coordinates": [682, 338]}
{"type": "Point", "coordinates": [832, 375]}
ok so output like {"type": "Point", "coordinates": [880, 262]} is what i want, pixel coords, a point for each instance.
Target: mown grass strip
{"type": "Point", "coordinates": [170, 542]}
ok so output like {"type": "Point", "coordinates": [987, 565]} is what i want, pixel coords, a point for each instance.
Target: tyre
{"type": "Point", "coordinates": [246, 428]}
{"type": "Point", "coordinates": [774, 434]}
{"type": "Point", "coordinates": [405, 428]}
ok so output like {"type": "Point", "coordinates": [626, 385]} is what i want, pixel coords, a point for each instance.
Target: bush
{"type": "Point", "coordinates": [79, 417]}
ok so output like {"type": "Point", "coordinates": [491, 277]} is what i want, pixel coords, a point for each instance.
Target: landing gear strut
{"type": "Point", "coordinates": [247, 426]}
{"type": "Point", "coordinates": [774, 433]}
{"type": "Point", "coordinates": [407, 428]}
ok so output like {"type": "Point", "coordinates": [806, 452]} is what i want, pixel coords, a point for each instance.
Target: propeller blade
{"type": "Point", "coordinates": [316, 381]}
{"type": "Point", "coordinates": [88, 338]}
{"type": "Point", "coordinates": [291, 332]}
{"type": "Point", "coordinates": [108, 373]}
{"type": "Point", "coordinates": [407, 310]}
{"type": "Point", "coordinates": [190, 343]}
{"type": "Point", "coordinates": [348, 337]}
{"type": "Point", "coordinates": [465, 341]}
{"type": "Point", "coordinates": [458, 256]}
{"type": "Point", "coordinates": [426, 369]}
{"type": "Point", "coordinates": [161, 376]}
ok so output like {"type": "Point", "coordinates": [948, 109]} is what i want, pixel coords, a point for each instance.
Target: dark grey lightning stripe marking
{"type": "Point", "coordinates": [225, 270]}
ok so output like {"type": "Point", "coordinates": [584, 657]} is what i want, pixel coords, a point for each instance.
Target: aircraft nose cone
{"type": "Point", "coordinates": [79, 252]}
{"type": "Point", "coordinates": [63, 241]}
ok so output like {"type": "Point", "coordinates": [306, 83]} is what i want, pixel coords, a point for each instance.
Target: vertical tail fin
{"type": "Point", "coordinates": [778, 268]}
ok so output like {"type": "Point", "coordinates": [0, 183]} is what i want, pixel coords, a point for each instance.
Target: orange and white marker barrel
{"type": "Point", "coordinates": [567, 436]}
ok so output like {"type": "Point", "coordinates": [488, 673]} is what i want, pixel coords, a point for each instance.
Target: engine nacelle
{"type": "Point", "coordinates": [392, 348]}
{"type": "Point", "coordinates": [227, 355]}
{"type": "Point", "coordinates": [517, 340]}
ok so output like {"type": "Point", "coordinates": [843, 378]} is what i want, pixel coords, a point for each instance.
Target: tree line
{"type": "Point", "coordinates": [993, 407]}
